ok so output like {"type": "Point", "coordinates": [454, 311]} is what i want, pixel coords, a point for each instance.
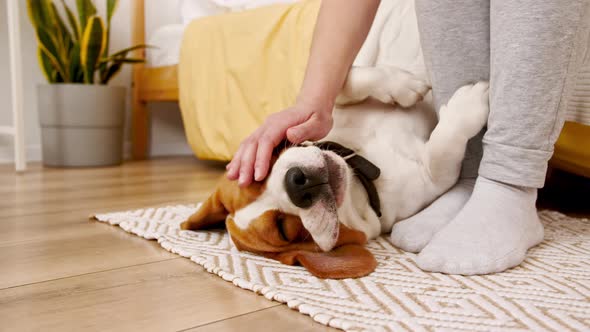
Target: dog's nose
{"type": "Point", "coordinates": [302, 187]}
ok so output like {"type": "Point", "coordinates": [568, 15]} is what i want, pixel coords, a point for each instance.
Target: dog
{"type": "Point", "coordinates": [385, 159]}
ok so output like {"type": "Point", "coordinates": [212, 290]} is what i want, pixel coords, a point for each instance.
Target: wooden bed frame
{"type": "Point", "coordinates": [149, 84]}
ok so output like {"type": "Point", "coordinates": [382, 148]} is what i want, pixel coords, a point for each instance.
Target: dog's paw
{"type": "Point", "coordinates": [393, 85]}
{"type": "Point", "coordinates": [468, 108]}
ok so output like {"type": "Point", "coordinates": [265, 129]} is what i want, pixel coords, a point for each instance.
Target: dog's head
{"type": "Point", "coordinates": [292, 216]}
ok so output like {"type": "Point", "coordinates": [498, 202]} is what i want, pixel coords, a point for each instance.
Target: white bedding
{"type": "Point", "coordinates": [167, 40]}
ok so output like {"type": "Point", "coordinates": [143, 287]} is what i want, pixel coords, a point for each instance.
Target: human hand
{"type": "Point", "coordinates": [304, 121]}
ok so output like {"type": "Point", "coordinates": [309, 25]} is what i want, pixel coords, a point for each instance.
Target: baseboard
{"type": "Point", "coordinates": [163, 149]}
{"type": "Point", "coordinates": [33, 152]}
{"type": "Point", "coordinates": [171, 149]}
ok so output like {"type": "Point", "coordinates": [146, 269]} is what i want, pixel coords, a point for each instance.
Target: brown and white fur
{"type": "Point", "coordinates": [381, 116]}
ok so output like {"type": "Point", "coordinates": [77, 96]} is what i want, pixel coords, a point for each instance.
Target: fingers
{"type": "Point", "coordinates": [317, 127]}
{"type": "Point", "coordinates": [233, 168]}
{"type": "Point", "coordinates": [263, 155]}
{"type": "Point", "coordinates": [273, 135]}
{"type": "Point", "coordinates": [247, 163]}
{"type": "Point", "coordinates": [301, 132]}
{"type": "Point", "coordinates": [253, 156]}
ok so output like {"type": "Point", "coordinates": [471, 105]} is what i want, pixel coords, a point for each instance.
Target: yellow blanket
{"type": "Point", "coordinates": [235, 69]}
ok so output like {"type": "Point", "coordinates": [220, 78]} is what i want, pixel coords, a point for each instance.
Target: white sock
{"type": "Point", "coordinates": [414, 233]}
{"type": "Point", "coordinates": [490, 234]}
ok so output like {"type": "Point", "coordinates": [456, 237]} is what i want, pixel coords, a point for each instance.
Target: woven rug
{"type": "Point", "coordinates": [550, 291]}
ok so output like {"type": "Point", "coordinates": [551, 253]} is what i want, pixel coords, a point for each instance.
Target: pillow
{"type": "Point", "coordinates": [193, 9]}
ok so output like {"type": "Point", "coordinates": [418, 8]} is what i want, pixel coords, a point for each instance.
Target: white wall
{"type": "Point", "coordinates": [167, 131]}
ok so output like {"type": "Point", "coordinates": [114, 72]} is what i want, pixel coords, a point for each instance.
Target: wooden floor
{"type": "Point", "coordinates": [59, 271]}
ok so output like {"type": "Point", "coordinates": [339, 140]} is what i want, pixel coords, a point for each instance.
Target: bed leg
{"type": "Point", "coordinates": [140, 130]}
{"type": "Point", "coordinates": [140, 118]}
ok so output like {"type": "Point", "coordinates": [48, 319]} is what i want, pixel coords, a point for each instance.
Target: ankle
{"type": "Point", "coordinates": [483, 182]}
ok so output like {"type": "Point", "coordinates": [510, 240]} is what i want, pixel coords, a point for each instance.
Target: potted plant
{"type": "Point", "coordinates": [81, 117]}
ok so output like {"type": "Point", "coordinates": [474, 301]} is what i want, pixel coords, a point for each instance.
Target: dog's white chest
{"type": "Point", "coordinates": [394, 140]}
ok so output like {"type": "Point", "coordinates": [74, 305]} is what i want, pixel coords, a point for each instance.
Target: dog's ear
{"type": "Point", "coordinates": [211, 213]}
{"type": "Point", "coordinates": [348, 261]}
{"type": "Point", "coordinates": [227, 198]}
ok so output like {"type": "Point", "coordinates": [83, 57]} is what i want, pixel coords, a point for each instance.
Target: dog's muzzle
{"type": "Point", "coordinates": [304, 186]}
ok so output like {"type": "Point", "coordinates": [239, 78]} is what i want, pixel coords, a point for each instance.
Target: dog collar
{"type": "Point", "coordinates": [365, 171]}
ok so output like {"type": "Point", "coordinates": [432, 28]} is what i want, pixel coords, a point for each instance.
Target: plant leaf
{"type": "Point", "coordinates": [111, 71]}
{"type": "Point", "coordinates": [72, 20]}
{"type": "Point", "coordinates": [59, 23]}
{"type": "Point", "coordinates": [111, 7]}
{"type": "Point", "coordinates": [49, 45]}
{"type": "Point", "coordinates": [130, 60]}
{"type": "Point", "coordinates": [86, 10]}
{"type": "Point", "coordinates": [40, 13]}
{"type": "Point", "coordinates": [53, 61]}
{"type": "Point", "coordinates": [49, 71]}
{"type": "Point", "coordinates": [64, 41]}
{"type": "Point", "coordinates": [75, 72]}
{"type": "Point", "coordinates": [122, 60]}
{"type": "Point", "coordinates": [124, 52]}
{"type": "Point", "coordinates": [91, 47]}
{"type": "Point", "coordinates": [48, 42]}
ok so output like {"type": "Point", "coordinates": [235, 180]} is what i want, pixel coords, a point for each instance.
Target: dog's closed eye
{"type": "Point", "coordinates": [280, 220]}
{"type": "Point", "coordinates": [289, 228]}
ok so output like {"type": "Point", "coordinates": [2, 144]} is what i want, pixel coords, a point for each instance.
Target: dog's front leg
{"type": "Point", "coordinates": [390, 85]}
{"type": "Point", "coordinates": [463, 117]}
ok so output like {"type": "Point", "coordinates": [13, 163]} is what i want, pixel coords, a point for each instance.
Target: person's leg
{"type": "Point", "coordinates": [455, 41]}
{"type": "Point", "coordinates": [535, 47]}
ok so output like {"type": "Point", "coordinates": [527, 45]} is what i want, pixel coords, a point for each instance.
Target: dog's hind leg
{"type": "Point", "coordinates": [390, 85]}
{"type": "Point", "coordinates": [463, 117]}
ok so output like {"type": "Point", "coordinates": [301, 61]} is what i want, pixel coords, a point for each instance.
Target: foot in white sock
{"type": "Point", "coordinates": [414, 233]}
{"type": "Point", "coordinates": [490, 234]}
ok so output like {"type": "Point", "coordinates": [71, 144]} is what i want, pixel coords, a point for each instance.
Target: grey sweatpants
{"type": "Point", "coordinates": [529, 51]}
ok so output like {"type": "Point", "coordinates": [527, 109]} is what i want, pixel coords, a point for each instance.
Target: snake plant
{"type": "Point", "coordinates": [76, 52]}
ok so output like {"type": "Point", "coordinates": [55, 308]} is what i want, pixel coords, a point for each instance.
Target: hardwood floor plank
{"type": "Point", "coordinates": [58, 187]}
{"type": "Point", "coordinates": [98, 180]}
{"type": "Point", "coordinates": [278, 318]}
{"type": "Point", "coordinates": [112, 201]}
{"type": "Point", "coordinates": [55, 226]}
{"type": "Point", "coordinates": [164, 296]}
{"type": "Point", "coordinates": [103, 248]}
{"type": "Point", "coordinates": [109, 191]}
{"type": "Point", "coordinates": [37, 172]}
{"type": "Point", "coordinates": [40, 228]}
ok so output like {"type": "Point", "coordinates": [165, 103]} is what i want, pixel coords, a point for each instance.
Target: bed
{"type": "Point", "coordinates": [157, 80]}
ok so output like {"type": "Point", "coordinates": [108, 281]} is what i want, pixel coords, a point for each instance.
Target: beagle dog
{"type": "Point", "coordinates": [385, 159]}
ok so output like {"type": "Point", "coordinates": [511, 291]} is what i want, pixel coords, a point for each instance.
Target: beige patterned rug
{"type": "Point", "coordinates": [549, 292]}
